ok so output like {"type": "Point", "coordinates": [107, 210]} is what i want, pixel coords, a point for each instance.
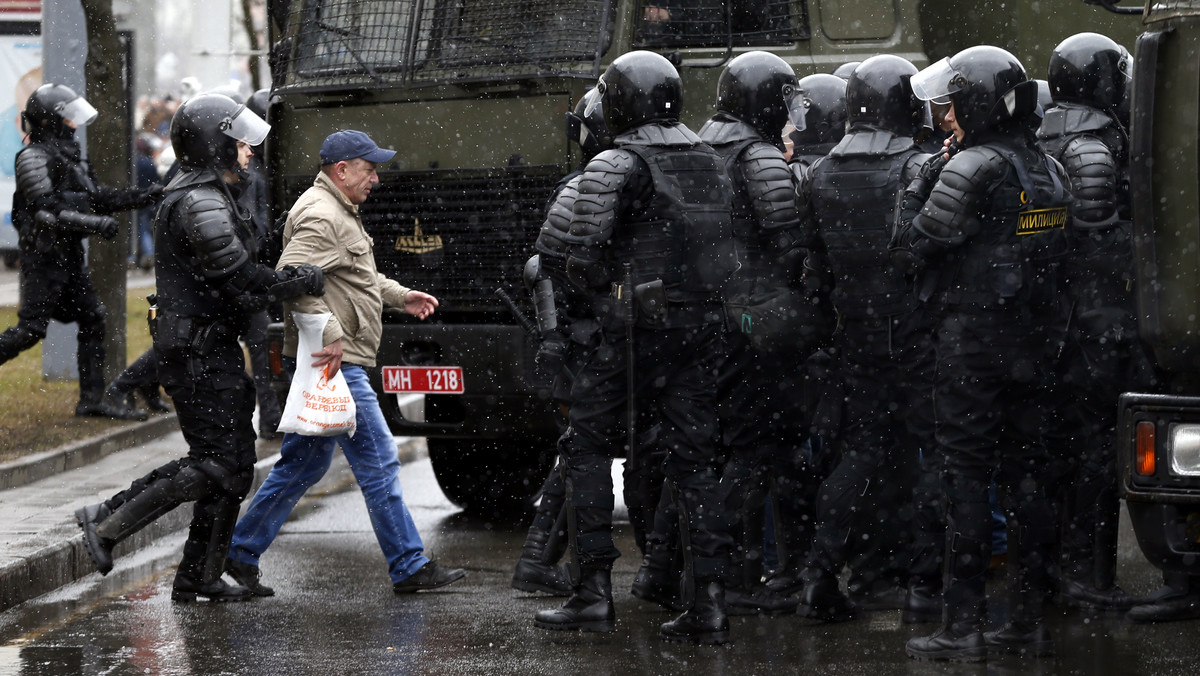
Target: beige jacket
{"type": "Point", "coordinates": [324, 229]}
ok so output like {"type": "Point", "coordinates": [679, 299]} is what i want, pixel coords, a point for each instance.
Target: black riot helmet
{"type": "Point", "coordinates": [51, 107]}
{"type": "Point", "coordinates": [751, 90]}
{"type": "Point", "coordinates": [585, 125]}
{"type": "Point", "coordinates": [843, 71]}
{"type": "Point", "coordinates": [1089, 69]}
{"type": "Point", "coordinates": [258, 102]}
{"type": "Point", "coordinates": [639, 87]}
{"type": "Point", "coordinates": [987, 85]}
{"type": "Point", "coordinates": [206, 129]}
{"type": "Point", "coordinates": [817, 109]}
{"type": "Point", "coordinates": [879, 96]}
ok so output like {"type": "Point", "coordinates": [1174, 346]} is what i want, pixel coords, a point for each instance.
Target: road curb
{"type": "Point", "coordinates": [86, 451]}
{"type": "Point", "coordinates": [64, 559]}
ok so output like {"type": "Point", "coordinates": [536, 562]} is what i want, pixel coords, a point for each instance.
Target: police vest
{"type": "Point", "coordinates": [853, 204]}
{"type": "Point", "coordinates": [684, 236]}
{"type": "Point", "coordinates": [182, 288]}
{"type": "Point", "coordinates": [1014, 259]}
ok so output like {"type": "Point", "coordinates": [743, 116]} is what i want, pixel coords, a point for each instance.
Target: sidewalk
{"type": "Point", "coordinates": [41, 547]}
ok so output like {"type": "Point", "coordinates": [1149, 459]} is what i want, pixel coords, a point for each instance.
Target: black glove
{"type": "Point", "coordinates": [149, 195]}
{"type": "Point", "coordinates": [300, 280]}
{"type": "Point", "coordinates": [552, 353]}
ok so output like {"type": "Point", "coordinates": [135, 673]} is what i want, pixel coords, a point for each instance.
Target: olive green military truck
{"type": "Point", "coordinates": [472, 94]}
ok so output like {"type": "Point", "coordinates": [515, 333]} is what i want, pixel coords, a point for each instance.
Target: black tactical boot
{"type": "Point", "coordinates": [1020, 638]}
{"type": "Point", "coordinates": [188, 589]}
{"type": "Point", "coordinates": [95, 407]}
{"type": "Point", "coordinates": [590, 608]}
{"type": "Point", "coordinates": [956, 642]}
{"type": "Point", "coordinates": [787, 582]}
{"type": "Point", "coordinates": [759, 600]}
{"type": "Point", "coordinates": [923, 603]}
{"type": "Point", "coordinates": [1082, 595]}
{"type": "Point", "coordinates": [247, 575]}
{"type": "Point", "coordinates": [823, 600]}
{"type": "Point", "coordinates": [98, 548]}
{"type": "Point", "coordinates": [155, 402]}
{"type": "Point", "coordinates": [534, 572]}
{"type": "Point", "coordinates": [659, 578]}
{"type": "Point", "coordinates": [705, 622]}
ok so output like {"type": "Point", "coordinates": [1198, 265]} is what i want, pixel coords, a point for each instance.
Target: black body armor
{"type": "Point", "coordinates": [851, 235]}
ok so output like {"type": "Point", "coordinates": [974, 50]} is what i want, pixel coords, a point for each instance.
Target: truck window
{"type": "Point", "coordinates": [409, 42]}
{"type": "Point", "coordinates": [718, 23]}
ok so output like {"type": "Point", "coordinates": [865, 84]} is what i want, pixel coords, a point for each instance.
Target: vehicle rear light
{"type": "Point", "coordinates": [1185, 450]}
{"type": "Point", "coordinates": [1144, 449]}
{"type": "Point", "coordinates": [275, 357]}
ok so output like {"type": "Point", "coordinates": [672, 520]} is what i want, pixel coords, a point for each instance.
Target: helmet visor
{"type": "Point", "coordinates": [797, 106]}
{"type": "Point", "coordinates": [937, 82]}
{"type": "Point", "coordinates": [246, 127]}
{"type": "Point", "coordinates": [77, 111]}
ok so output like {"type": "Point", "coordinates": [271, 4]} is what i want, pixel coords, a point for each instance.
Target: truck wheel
{"type": "Point", "coordinates": [490, 476]}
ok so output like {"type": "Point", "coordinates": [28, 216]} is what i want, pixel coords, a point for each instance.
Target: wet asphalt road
{"type": "Point", "coordinates": [334, 613]}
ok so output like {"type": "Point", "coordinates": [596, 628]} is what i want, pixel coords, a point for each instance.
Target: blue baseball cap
{"type": "Point", "coordinates": [350, 144]}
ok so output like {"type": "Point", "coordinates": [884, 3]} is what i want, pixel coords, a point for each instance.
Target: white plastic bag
{"type": "Point", "coordinates": [317, 406]}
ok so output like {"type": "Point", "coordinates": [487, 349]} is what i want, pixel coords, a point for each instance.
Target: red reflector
{"type": "Point", "coordinates": [275, 357]}
{"type": "Point", "coordinates": [1144, 449]}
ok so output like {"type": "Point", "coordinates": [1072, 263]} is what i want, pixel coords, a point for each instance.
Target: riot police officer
{"type": "Point", "coordinates": [208, 284]}
{"type": "Point", "coordinates": [883, 340]}
{"type": "Point", "coordinates": [57, 205]}
{"type": "Point", "coordinates": [819, 118]}
{"type": "Point", "coordinates": [559, 311]}
{"type": "Point", "coordinates": [651, 244]}
{"type": "Point", "coordinates": [756, 419]}
{"type": "Point", "coordinates": [989, 235]}
{"type": "Point", "coordinates": [1103, 355]}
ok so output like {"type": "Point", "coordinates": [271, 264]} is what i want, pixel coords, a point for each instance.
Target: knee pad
{"type": "Point", "coordinates": [189, 484]}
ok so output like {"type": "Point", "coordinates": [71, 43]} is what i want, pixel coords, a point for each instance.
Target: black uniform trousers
{"type": "Point", "coordinates": [56, 285]}
{"type": "Point", "coordinates": [887, 366]}
{"type": "Point", "coordinates": [675, 377]}
{"type": "Point", "coordinates": [990, 405]}
{"type": "Point", "coordinates": [214, 401]}
{"type": "Point", "coordinates": [763, 428]}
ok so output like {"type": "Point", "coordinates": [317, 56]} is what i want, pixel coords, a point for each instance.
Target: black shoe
{"type": "Point", "coordinates": [101, 409]}
{"type": "Point", "coordinates": [98, 548]}
{"type": "Point", "coordinates": [759, 601]}
{"type": "Point", "coordinates": [705, 622]}
{"type": "Point", "coordinates": [888, 598]}
{"type": "Point", "coordinates": [429, 576]}
{"type": "Point", "coordinates": [154, 401]}
{"type": "Point", "coordinates": [825, 602]}
{"type": "Point", "coordinates": [922, 603]}
{"type": "Point", "coordinates": [534, 576]}
{"type": "Point", "coordinates": [187, 590]}
{"type": "Point", "coordinates": [1018, 639]}
{"type": "Point", "coordinates": [590, 608]}
{"type": "Point", "coordinates": [1080, 595]}
{"type": "Point", "coordinates": [955, 643]}
{"type": "Point", "coordinates": [659, 586]}
{"type": "Point", "coordinates": [785, 583]}
{"type": "Point", "coordinates": [247, 575]}
{"type": "Point", "coordinates": [1167, 605]}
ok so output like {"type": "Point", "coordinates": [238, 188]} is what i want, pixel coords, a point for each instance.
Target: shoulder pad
{"type": "Point", "coordinates": [978, 166]}
{"type": "Point", "coordinates": [871, 142]}
{"type": "Point", "coordinates": [34, 178]}
{"type": "Point", "coordinates": [721, 130]}
{"type": "Point", "coordinates": [655, 134]}
{"type": "Point", "coordinates": [553, 237]}
{"type": "Point", "coordinates": [212, 232]}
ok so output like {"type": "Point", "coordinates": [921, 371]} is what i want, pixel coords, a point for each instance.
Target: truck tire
{"type": "Point", "coordinates": [489, 477]}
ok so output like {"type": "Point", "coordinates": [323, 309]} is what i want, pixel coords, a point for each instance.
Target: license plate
{"type": "Point", "coordinates": [423, 379]}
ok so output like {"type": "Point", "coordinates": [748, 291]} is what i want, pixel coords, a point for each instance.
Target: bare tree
{"type": "Point", "coordinates": [109, 148]}
{"type": "Point", "coordinates": [252, 36]}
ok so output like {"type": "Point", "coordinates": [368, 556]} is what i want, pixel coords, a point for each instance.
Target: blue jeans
{"type": "Point", "coordinates": [303, 460]}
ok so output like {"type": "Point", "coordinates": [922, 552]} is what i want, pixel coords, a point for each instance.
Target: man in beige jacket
{"type": "Point", "coordinates": [324, 229]}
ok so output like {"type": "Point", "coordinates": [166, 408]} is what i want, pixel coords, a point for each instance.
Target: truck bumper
{"type": "Point", "coordinates": [1159, 465]}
